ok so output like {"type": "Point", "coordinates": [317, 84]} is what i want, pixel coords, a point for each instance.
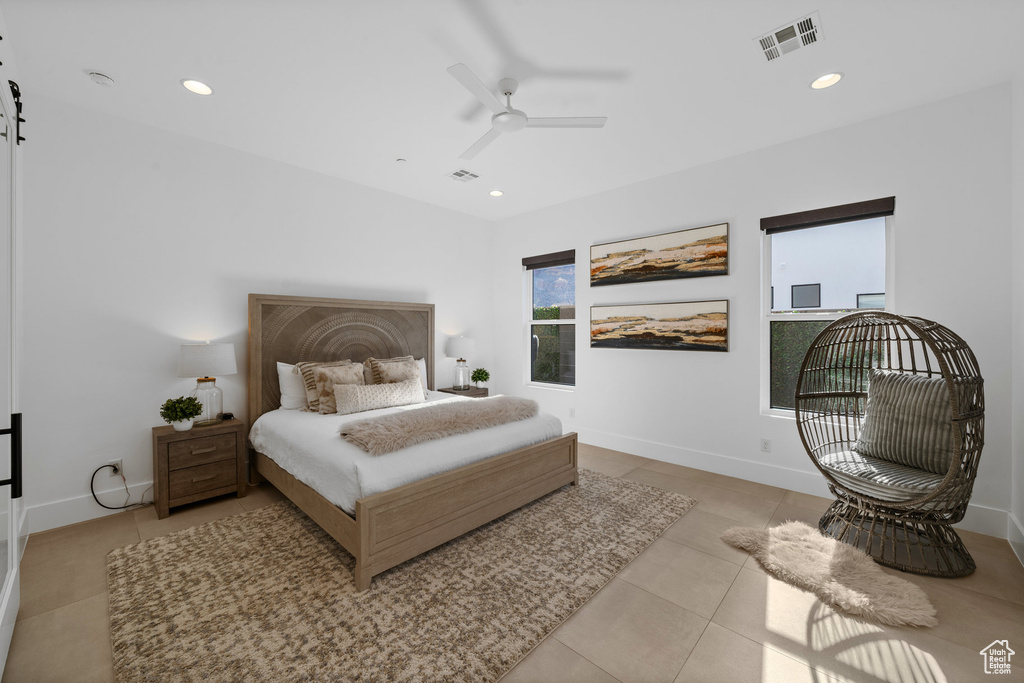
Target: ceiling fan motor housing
{"type": "Point", "coordinates": [509, 121]}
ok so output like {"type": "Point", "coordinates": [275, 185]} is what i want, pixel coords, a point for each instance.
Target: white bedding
{"type": "Point", "coordinates": [308, 446]}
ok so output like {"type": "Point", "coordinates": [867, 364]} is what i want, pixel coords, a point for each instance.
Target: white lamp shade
{"type": "Point", "coordinates": [459, 347]}
{"type": "Point", "coordinates": [206, 360]}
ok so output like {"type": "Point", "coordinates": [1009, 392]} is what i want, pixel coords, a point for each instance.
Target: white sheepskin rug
{"type": "Point", "coordinates": [843, 577]}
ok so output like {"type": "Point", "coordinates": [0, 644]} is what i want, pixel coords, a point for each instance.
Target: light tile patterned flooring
{"type": "Point", "coordinates": [689, 608]}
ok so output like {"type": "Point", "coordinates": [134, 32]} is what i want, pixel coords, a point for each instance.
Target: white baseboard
{"type": "Point", "coordinates": [980, 519]}
{"type": "Point", "coordinates": [1015, 535]}
{"type": "Point", "coordinates": [762, 473]}
{"type": "Point", "coordinates": [82, 508]}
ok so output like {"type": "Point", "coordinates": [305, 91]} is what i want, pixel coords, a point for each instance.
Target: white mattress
{"type": "Point", "coordinates": [309, 446]}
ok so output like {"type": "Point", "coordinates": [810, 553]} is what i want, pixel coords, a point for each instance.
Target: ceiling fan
{"type": "Point", "coordinates": [506, 119]}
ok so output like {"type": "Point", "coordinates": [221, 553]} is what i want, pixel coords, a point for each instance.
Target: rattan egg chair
{"type": "Point", "coordinates": [891, 410]}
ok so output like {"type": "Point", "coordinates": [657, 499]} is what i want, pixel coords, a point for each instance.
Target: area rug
{"type": "Point", "coordinates": [843, 577]}
{"type": "Point", "coordinates": [268, 596]}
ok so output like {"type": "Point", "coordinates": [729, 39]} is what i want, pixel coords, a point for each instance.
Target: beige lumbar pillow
{"type": "Point", "coordinates": [327, 377]}
{"type": "Point", "coordinates": [389, 370]}
{"type": "Point", "coordinates": [356, 398]}
{"type": "Point", "coordinates": [309, 380]}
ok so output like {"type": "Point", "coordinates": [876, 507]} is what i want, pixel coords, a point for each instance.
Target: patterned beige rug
{"type": "Point", "coordinates": [268, 596]}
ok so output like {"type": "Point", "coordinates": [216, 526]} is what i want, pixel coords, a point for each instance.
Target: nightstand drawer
{"type": "Point", "coordinates": [201, 451]}
{"type": "Point", "coordinates": [191, 480]}
{"type": "Point", "coordinates": [197, 464]}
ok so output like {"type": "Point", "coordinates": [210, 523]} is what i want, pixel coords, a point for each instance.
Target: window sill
{"type": "Point", "coordinates": [551, 387]}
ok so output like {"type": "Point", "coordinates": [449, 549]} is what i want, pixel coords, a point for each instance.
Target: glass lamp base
{"type": "Point", "coordinates": [212, 397]}
{"type": "Point", "coordinates": [460, 380]}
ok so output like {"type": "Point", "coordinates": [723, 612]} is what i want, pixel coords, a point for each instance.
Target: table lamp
{"type": "Point", "coordinates": [459, 348]}
{"type": "Point", "coordinates": [204, 361]}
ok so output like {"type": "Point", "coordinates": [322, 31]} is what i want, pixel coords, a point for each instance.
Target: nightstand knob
{"type": "Point", "coordinates": [197, 451]}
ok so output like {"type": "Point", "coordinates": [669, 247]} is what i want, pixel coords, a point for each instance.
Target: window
{"type": "Point", "coordinates": [551, 282]}
{"type": "Point", "coordinates": [873, 300]}
{"type": "Point", "coordinates": [824, 260]}
{"type": "Point", "coordinates": [806, 296]}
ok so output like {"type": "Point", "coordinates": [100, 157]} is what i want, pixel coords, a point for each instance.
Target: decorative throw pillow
{"type": "Point", "coordinates": [907, 421]}
{"type": "Point", "coordinates": [293, 391]}
{"type": "Point", "coordinates": [327, 377]}
{"type": "Point", "coordinates": [388, 370]}
{"type": "Point", "coordinates": [309, 381]}
{"type": "Point", "coordinates": [356, 398]}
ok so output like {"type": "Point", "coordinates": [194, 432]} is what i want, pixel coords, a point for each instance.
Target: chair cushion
{"type": "Point", "coordinates": [881, 479]}
{"type": "Point", "coordinates": [907, 421]}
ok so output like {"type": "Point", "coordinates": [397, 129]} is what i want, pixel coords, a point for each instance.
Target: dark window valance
{"type": "Point", "coordinates": [857, 211]}
{"type": "Point", "coordinates": [558, 258]}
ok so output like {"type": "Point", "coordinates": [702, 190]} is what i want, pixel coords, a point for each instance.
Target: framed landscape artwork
{"type": "Point", "coordinates": [697, 252]}
{"type": "Point", "coordinates": [684, 326]}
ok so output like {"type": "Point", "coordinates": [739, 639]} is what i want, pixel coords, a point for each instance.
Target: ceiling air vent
{"type": "Point", "coordinates": [463, 176]}
{"type": "Point", "coordinates": [792, 36]}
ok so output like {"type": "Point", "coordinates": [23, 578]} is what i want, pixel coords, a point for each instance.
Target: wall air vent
{"type": "Point", "coordinates": [463, 176]}
{"type": "Point", "coordinates": [792, 36]}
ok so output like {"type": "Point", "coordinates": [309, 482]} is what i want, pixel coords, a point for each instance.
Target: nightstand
{"type": "Point", "coordinates": [472, 392]}
{"type": "Point", "coordinates": [201, 463]}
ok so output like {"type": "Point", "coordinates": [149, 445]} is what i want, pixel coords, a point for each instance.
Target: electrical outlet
{"type": "Point", "coordinates": [766, 445]}
{"type": "Point", "coordinates": [572, 412]}
{"type": "Point", "coordinates": [117, 468]}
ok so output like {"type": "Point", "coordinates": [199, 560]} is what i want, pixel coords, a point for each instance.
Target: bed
{"type": "Point", "coordinates": [394, 525]}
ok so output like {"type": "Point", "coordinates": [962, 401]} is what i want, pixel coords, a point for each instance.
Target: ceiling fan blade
{"type": "Point", "coordinates": [470, 82]}
{"type": "Point", "coordinates": [566, 122]}
{"type": "Point", "coordinates": [475, 148]}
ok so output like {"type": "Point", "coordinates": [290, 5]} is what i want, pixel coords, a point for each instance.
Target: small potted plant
{"type": "Point", "coordinates": [480, 375]}
{"type": "Point", "coordinates": [180, 412]}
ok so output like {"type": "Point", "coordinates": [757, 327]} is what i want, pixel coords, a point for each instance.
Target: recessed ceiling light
{"type": "Point", "coordinates": [826, 81]}
{"type": "Point", "coordinates": [101, 79]}
{"type": "Point", "coordinates": [198, 87]}
{"type": "Point", "coordinates": [496, 193]}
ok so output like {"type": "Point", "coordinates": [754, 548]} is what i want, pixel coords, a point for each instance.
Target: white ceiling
{"type": "Point", "coordinates": [345, 87]}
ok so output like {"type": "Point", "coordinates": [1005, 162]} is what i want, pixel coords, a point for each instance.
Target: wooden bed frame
{"type": "Point", "coordinates": [392, 526]}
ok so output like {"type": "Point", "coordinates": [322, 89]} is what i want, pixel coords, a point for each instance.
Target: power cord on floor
{"type": "Point", "coordinates": [127, 493]}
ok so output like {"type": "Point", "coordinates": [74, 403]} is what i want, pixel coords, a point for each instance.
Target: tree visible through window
{"type": "Point", "coordinates": [552, 281]}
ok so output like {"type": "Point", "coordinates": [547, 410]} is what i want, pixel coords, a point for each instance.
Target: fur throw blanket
{"type": "Point", "coordinates": [387, 433]}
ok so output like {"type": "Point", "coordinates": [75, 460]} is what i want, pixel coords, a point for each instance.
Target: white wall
{"type": "Point", "coordinates": [137, 240]}
{"type": "Point", "coordinates": [1015, 530]}
{"type": "Point", "coordinates": [948, 164]}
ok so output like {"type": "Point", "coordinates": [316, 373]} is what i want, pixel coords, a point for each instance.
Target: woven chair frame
{"type": "Point", "coordinates": [831, 396]}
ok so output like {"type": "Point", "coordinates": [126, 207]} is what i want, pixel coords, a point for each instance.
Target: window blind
{"type": "Point", "coordinates": [557, 258]}
{"type": "Point", "coordinates": [845, 213]}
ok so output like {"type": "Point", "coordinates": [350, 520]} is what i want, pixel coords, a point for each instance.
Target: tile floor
{"type": "Point", "coordinates": [689, 608]}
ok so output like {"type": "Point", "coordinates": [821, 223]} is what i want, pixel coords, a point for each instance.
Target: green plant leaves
{"type": "Point", "coordinates": [181, 408]}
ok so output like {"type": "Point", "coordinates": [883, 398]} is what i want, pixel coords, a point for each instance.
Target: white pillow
{"type": "Point", "coordinates": [293, 389]}
{"type": "Point", "coordinates": [356, 398]}
{"type": "Point", "coordinates": [423, 372]}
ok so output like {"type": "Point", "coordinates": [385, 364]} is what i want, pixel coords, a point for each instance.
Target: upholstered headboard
{"type": "Point", "coordinates": [295, 328]}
